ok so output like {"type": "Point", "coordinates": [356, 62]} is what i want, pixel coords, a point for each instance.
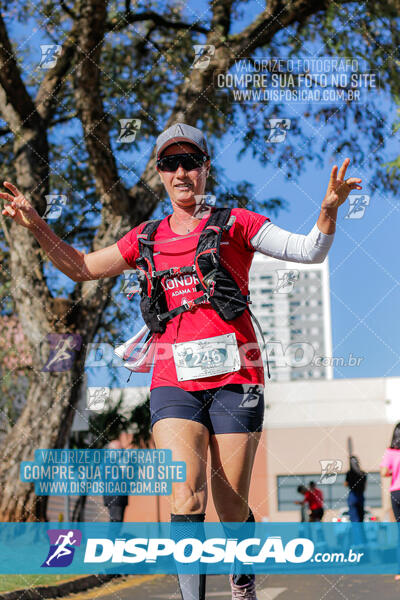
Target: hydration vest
{"type": "Point", "coordinates": [219, 288]}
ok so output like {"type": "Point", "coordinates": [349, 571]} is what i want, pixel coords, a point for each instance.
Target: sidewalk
{"type": "Point", "coordinates": [80, 584]}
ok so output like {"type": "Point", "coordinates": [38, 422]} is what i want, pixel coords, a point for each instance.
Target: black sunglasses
{"type": "Point", "coordinates": [189, 162]}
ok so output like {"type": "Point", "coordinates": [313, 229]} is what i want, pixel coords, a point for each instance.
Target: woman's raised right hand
{"type": "Point", "coordinates": [18, 207]}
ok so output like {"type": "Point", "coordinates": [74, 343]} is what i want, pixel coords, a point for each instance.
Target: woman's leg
{"type": "Point", "coordinates": [353, 507]}
{"type": "Point", "coordinates": [360, 507]}
{"type": "Point", "coordinates": [232, 459]}
{"type": "Point", "coordinates": [395, 499]}
{"type": "Point", "coordinates": [188, 441]}
{"type": "Point", "coordinates": [236, 415]}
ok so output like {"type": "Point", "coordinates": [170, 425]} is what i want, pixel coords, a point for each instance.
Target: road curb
{"type": "Point", "coordinates": [61, 589]}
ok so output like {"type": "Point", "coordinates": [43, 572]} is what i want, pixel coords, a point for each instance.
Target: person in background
{"type": "Point", "coordinates": [303, 511]}
{"type": "Point", "coordinates": [115, 504]}
{"type": "Point", "coordinates": [315, 500]}
{"type": "Point", "coordinates": [356, 481]}
{"type": "Point", "coordinates": [390, 467]}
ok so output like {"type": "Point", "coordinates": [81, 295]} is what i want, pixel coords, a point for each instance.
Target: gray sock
{"type": "Point", "coordinates": [240, 578]}
{"type": "Point", "coordinates": [192, 586]}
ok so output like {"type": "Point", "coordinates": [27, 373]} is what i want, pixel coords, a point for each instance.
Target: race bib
{"type": "Point", "coordinates": [206, 358]}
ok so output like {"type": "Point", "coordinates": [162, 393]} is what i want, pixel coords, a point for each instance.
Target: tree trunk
{"type": "Point", "coordinates": [50, 401]}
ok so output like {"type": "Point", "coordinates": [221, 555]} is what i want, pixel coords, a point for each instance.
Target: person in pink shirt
{"type": "Point", "coordinates": [390, 467]}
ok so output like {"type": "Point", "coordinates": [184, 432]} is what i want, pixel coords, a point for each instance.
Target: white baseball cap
{"type": "Point", "coordinates": [180, 132]}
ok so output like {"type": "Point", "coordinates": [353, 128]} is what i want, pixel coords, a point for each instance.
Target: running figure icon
{"type": "Point", "coordinates": [62, 549]}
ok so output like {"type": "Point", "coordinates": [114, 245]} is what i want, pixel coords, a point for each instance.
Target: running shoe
{"type": "Point", "coordinates": [243, 592]}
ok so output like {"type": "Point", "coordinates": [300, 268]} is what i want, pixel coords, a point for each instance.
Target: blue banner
{"type": "Point", "coordinates": [214, 548]}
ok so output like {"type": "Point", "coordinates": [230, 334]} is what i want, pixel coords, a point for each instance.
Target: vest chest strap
{"type": "Point", "coordinates": [185, 306]}
{"type": "Point", "coordinates": [174, 271]}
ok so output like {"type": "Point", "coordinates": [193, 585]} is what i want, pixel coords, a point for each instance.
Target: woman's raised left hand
{"type": "Point", "coordinates": [339, 187]}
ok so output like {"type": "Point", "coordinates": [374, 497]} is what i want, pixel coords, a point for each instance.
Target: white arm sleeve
{"type": "Point", "coordinates": [279, 243]}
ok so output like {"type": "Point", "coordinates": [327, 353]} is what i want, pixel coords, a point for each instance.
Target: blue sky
{"type": "Point", "coordinates": [364, 265]}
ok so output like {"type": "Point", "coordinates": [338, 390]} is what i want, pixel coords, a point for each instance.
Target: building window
{"type": "Point", "coordinates": [335, 495]}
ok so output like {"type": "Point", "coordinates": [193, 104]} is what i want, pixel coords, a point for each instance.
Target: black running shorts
{"type": "Point", "coordinates": [233, 408]}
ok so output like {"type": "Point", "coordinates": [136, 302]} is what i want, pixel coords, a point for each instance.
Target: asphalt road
{"type": "Point", "coordinates": [269, 587]}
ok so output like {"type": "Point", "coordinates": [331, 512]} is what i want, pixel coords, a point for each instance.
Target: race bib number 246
{"type": "Point", "coordinates": [207, 357]}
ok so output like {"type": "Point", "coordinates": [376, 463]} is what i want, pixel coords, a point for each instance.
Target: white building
{"type": "Point", "coordinates": [308, 424]}
{"type": "Point", "coordinates": [291, 302]}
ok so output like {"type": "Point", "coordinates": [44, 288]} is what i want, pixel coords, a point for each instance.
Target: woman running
{"type": "Point", "coordinates": [390, 467]}
{"type": "Point", "coordinates": [208, 378]}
